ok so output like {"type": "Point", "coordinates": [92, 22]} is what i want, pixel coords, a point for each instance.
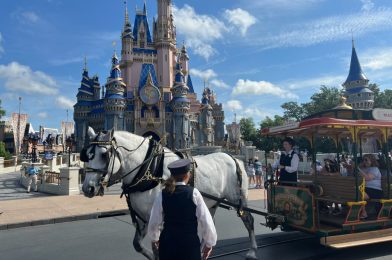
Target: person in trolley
{"type": "Point", "coordinates": [181, 210]}
{"type": "Point", "coordinates": [288, 163]}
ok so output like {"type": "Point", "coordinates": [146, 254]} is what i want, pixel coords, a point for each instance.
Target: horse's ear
{"type": "Point", "coordinates": [112, 133]}
{"type": "Point", "coordinates": [91, 133]}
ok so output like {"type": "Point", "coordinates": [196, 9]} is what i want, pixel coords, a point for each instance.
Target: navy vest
{"type": "Point", "coordinates": [179, 211]}
{"type": "Point", "coordinates": [285, 160]}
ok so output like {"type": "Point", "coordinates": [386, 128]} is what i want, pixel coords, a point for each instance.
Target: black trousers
{"type": "Point", "coordinates": [176, 245]}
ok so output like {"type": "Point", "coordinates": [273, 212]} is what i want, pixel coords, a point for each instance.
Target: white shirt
{"type": "Point", "coordinates": [294, 163]}
{"type": "Point", "coordinates": [206, 227]}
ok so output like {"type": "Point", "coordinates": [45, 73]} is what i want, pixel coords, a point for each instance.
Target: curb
{"type": "Point", "coordinates": [40, 222]}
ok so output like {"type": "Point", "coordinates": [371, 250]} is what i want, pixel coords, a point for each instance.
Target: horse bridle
{"type": "Point", "coordinates": [114, 147]}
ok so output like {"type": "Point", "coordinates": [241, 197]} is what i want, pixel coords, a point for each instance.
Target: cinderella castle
{"type": "Point", "coordinates": [149, 90]}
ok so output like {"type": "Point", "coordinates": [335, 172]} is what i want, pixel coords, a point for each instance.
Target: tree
{"type": "Point", "coordinates": [383, 99]}
{"type": "Point", "coordinates": [292, 110]}
{"type": "Point", "coordinates": [2, 111]}
{"type": "Point", "coordinates": [3, 152]}
{"type": "Point", "coordinates": [248, 130]}
{"type": "Point", "coordinates": [327, 98]}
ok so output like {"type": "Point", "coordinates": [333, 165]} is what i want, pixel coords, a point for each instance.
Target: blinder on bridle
{"type": "Point", "coordinates": [85, 157]}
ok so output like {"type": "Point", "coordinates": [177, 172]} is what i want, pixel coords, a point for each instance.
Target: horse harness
{"type": "Point", "coordinates": [149, 172]}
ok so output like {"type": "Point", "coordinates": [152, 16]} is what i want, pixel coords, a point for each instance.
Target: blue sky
{"type": "Point", "coordinates": [256, 55]}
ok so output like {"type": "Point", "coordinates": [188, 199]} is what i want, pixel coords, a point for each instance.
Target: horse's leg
{"type": "Point", "coordinates": [213, 210]}
{"type": "Point", "coordinates": [141, 231]}
{"type": "Point", "coordinates": [248, 220]}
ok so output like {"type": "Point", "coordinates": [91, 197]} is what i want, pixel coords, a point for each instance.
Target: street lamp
{"type": "Point", "coordinates": [33, 139]}
{"type": "Point", "coordinates": [69, 142]}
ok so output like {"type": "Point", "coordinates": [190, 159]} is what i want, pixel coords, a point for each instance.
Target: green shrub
{"type": "Point", "coordinates": [4, 153]}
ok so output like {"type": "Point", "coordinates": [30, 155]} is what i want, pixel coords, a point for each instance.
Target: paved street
{"type": "Point", "coordinates": [110, 238]}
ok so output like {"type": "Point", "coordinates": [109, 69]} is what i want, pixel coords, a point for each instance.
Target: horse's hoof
{"type": "Point", "coordinates": [251, 256]}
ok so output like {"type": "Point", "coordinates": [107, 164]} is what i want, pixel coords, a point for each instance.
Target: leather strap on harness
{"type": "Point", "coordinates": [150, 173]}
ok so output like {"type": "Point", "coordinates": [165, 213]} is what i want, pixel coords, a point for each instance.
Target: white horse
{"type": "Point", "coordinates": [120, 155]}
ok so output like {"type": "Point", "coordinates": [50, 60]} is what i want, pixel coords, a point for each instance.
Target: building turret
{"type": "Point", "coordinates": [127, 47]}
{"type": "Point", "coordinates": [359, 96]}
{"type": "Point", "coordinates": [115, 102]}
{"type": "Point", "coordinates": [165, 42]}
{"type": "Point", "coordinates": [82, 107]}
{"type": "Point", "coordinates": [96, 87]}
{"type": "Point", "coordinates": [180, 107]}
{"type": "Point", "coordinates": [206, 120]}
{"type": "Point", "coordinates": [184, 61]}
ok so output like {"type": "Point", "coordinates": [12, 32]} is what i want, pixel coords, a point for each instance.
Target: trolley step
{"type": "Point", "coordinates": [357, 239]}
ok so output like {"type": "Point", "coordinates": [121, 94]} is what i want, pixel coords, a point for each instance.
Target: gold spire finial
{"type": "Point", "coordinates": [343, 104]}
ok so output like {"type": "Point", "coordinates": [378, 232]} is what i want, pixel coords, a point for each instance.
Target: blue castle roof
{"type": "Point", "coordinates": [98, 111]}
{"type": "Point", "coordinates": [181, 99]}
{"type": "Point", "coordinates": [358, 90]}
{"type": "Point", "coordinates": [141, 19]}
{"type": "Point", "coordinates": [356, 72]}
{"type": "Point", "coordinates": [146, 70]}
{"type": "Point", "coordinates": [114, 96]}
{"type": "Point", "coordinates": [190, 84]}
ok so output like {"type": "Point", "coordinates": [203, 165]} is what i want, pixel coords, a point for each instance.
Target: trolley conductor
{"type": "Point", "coordinates": [182, 211]}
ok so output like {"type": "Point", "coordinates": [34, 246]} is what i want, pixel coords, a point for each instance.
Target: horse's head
{"type": "Point", "coordinates": [102, 161]}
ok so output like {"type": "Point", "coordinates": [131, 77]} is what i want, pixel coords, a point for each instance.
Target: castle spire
{"type": "Point", "coordinates": [355, 75]}
{"type": "Point", "coordinates": [127, 32]}
{"type": "Point", "coordinates": [85, 63]}
{"type": "Point", "coordinates": [145, 8]}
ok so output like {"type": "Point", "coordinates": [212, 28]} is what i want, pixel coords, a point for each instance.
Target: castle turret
{"type": "Point", "coordinates": [184, 61]}
{"type": "Point", "coordinates": [359, 96]}
{"type": "Point", "coordinates": [82, 107]}
{"type": "Point", "coordinates": [180, 107]}
{"type": "Point", "coordinates": [115, 102]}
{"type": "Point", "coordinates": [127, 47]}
{"type": "Point", "coordinates": [206, 120]}
{"type": "Point", "coordinates": [165, 43]}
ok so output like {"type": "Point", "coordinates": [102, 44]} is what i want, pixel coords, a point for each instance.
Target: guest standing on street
{"type": "Point", "coordinates": [32, 173]}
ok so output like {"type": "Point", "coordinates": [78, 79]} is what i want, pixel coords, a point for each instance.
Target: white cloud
{"type": "Point", "coordinates": [42, 114]}
{"type": "Point", "coordinates": [60, 62]}
{"type": "Point", "coordinates": [65, 103]}
{"type": "Point", "coordinates": [329, 29]}
{"type": "Point", "coordinates": [233, 105]}
{"type": "Point", "coordinates": [378, 59]}
{"type": "Point", "coordinates": [367, 5]}
{"type": "Point", "coordinates": [200, 31]}
{"type": "Point", "coordinates": [1, 46]}
{"type": "Point", "coordinates": [29, 16]}
{"type": "Point", "coordinates": [249, 87]}
{"type": "Point", "coordinates": [203, 74]}
{"type": "Point", "coordinates": [257, 113]}
{"type": "Point", "coordinates": [219, 83]}
{"type": "Point", "coordinates": [328, 80]}
{"type": "Point", "coordinates": [19, 77]}
{"type": "Point", "coordinates": [240, 19]}
{"type": "Point", "coordinates": [282, 4]}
